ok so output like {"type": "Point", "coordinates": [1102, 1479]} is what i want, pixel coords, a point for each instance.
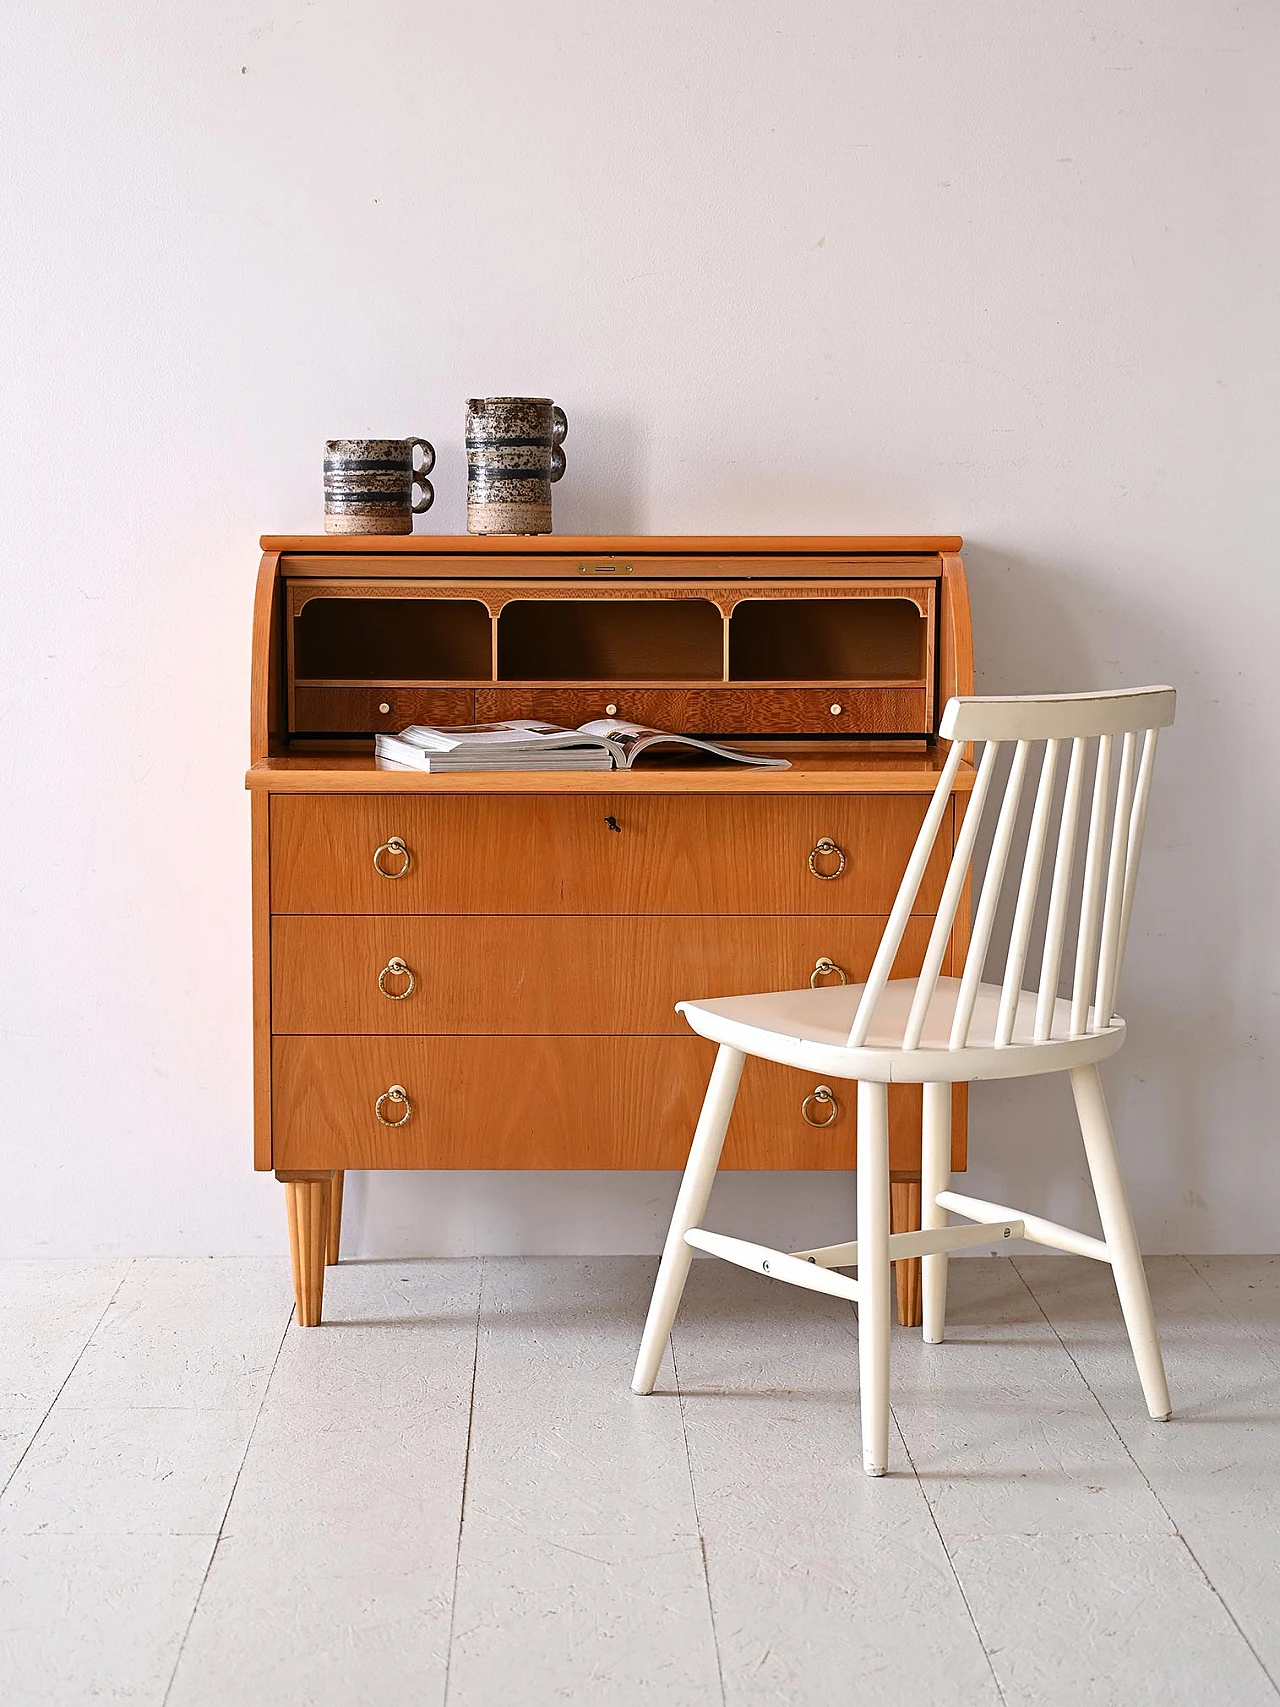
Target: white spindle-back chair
{"type": "Point", "coordinates": [938, 1031]}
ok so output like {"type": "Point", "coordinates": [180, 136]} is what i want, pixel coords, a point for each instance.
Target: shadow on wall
{"type": "Point", "coordinates": [606, 478]}
{"type": "Point", "coordinates": [1044, 626]}
{"type": "Point", "coordinates": [581, 1212]}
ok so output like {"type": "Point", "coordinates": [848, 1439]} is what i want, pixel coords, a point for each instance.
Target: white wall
{"type": "Point", "coordinates": [996, 267]}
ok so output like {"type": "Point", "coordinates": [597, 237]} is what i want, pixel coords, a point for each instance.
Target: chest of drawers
{"type": "Point", "coordinates": [480, 970]}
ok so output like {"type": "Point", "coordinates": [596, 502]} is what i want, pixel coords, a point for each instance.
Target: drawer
{"type": "Point", "coordinates": [358, 710]}
{"type": "Point", "coordinates": [837, 710]}
{"type": "Point", "coordinates": [541, 976]}
{"type": "Point", "coordinates": [530, 1102]}
{"type": "Point", "coordinates": [597, 853]}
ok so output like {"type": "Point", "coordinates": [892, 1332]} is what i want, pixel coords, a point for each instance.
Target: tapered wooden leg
{"type": "Point", "coordinates": [333, 1242]}
{"type": "Point", "coordinates": [935, 1172]}
{"type": "Point", "coordinates": [1121, 1237]}
{"type": "Point", "coordinates": [695, 1189]}
{"type": "Point", "coordinates": [904, 1217]}
{"type": "Point", "coordinates": [306, 1198]}
{"type": "Point", "coordinates": [875, 1282]}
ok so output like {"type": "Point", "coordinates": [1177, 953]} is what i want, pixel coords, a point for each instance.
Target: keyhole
{"type": "Point", "coordinates": [613, 824]}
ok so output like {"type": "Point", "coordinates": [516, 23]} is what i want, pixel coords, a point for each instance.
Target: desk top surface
{"type": "Point", "coordinates": [880, 772]}
{"type": "Point", "coordinates": [612, 543]}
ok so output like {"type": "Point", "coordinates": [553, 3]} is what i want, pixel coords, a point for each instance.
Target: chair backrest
{"type": "Point", "coordinates": [1101, 909]}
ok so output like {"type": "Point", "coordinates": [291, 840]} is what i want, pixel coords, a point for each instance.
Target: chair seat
{"type": "Point", "coordinates": [808, 1029]}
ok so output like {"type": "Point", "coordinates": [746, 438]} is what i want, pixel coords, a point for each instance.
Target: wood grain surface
{"type": "Point", "coordinates": [727, 711]}
{"type": "Point", "coordinates": [358, 710]}
{"type": "Point", "coordinates": [541, 975]}
{"type": "Point", "coordinates": [609, 854]}
{"type": "Point", "coordinates": [552, 1102]}
{"type": "Point", "coordinates": [260, 939]}
{"type": "Point", "coordinates": [618, 569]}
{"type": "Point", "coordinates": [266, 669]}
{"type": "Point", "coordinates": [868, 769]}
{"type": "Point", "coordinates": [621, 544]}
{"type": "Point", "coordinates": [955, 632]}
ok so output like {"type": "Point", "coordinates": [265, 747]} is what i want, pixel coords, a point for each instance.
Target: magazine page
{"type": "Point", "coordinates": [524, 733]}
{"type": "Point", "coordinates": [628, 741]}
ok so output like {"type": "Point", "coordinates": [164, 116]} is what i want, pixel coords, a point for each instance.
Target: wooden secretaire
{"type": "Point", "coordinates": [480, 970]}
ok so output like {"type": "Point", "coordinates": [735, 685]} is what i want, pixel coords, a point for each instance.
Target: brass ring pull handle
{"type": "Point", "coordinates": [393, 845]}
{"type": "Point", "coordinates": [825, 849]}
{"type": "Point", "coordinates": [397, 1093]}
{"type": "Point", "coordinates": [820, 1094]}
{"type": "Point", "coordinates": [396, 968]}
{"type": "Point", "coordinates": [823, 967]}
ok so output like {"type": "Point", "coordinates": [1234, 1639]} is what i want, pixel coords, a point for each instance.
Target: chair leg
{"type": "Point", "coordinates": [1122, 1240]}
{"type": "Point", "coordinates": [935, 1176]}
{"type": "Point", "coordinates": [695, 1189]}
{"type": "Point", "coordinates": [875, 1279]}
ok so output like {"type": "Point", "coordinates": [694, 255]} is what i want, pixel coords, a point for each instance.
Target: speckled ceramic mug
{"type": "Point", "coordinates": [513, 455]}
{"type": "Point", "coordinates": [368, 484]}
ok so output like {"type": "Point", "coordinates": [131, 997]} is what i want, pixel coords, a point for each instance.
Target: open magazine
{"type": "Point", "coordinates": [523, 744]}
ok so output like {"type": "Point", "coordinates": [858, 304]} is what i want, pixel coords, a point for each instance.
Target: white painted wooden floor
{"type": "Point", "coordinates": [449, 1495]}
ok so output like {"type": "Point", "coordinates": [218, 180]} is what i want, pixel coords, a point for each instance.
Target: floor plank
{"type": "Point", "coordinates": [1003, 1432]}
{"type": "Point", "coordinates": [128, 1479]}
{"type": "Point", "coordinates": [94, 1621]}
{"type": "Point", "coordinates": [332, 1582]}
{"type": "Point", "coordinates": [193, 1332]}
{"type": "Point", "coordinates": [125, 1471]}
{"type": "Point", "coordinates": [826, 1585]}
{"type": "Point", "coordinates": [719, 1544]}
{"type": "Point", "coordinates": [107, 1526]}
{"type": "Point", "coordinates": [48, 1310]}
{"type": "Point", "coordinates": [1110, 1620]}
{"type": "Point", "coordinates": [1213, 1466]}
{"type": "Point", "coordinates": [1249, 1287]}
{"type": "Point", "coordinates": [580, 1573]}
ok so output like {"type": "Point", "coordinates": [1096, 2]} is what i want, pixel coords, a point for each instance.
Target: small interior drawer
{"type": "Point", "coordinates": [552, 1102]}
{"type": "Point", "coordinates": [728, 711]}
{"type": "Point", "coordinates": [366, 710]}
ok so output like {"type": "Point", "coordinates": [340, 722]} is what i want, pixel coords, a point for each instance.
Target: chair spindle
{"type": "Point", "coordinates": [908, 889]}
{"type": "Point", "coordinates": [949, 903]}
{"type": "Point", "coordinates": [1028, 889]}
{"type": "Point", "coordinates": [1091, 897]}
{"type": "Point", "coordinates": [989, 899]}
{"type": "Point", "coordinates": [1055, 929]}
{"type": "Point", "coordinates": [1137, 829]}
{"type": "Point", "coordinates": [1113, 907]}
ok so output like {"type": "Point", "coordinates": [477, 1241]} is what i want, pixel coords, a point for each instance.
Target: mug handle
{"type": "Point", "coordinates": [428, 495]}
{"type": "Point", "coordinates": [559, 431]}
